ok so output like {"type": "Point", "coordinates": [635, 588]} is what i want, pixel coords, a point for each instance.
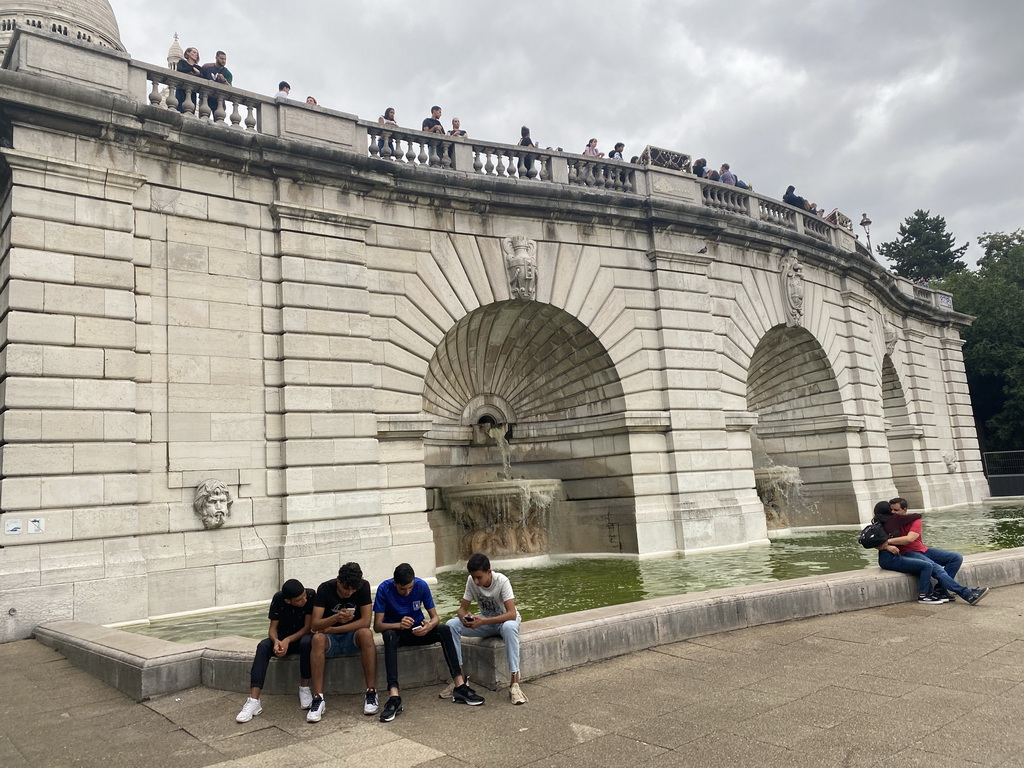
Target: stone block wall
{"type": "Point", "coordinates": [183, 301]}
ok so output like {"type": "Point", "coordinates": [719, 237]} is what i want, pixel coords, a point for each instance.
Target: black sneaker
{"type": "Point", "coordinates": [977, 595]}
{"type": "Point", "coordinates": [392, 709]}
{"type": "Point", "coordinates": [466, 695]}
{"type": "Point", "coordinates": [929, 600]}
{"type": "Point", "coordinates": [940, 597]}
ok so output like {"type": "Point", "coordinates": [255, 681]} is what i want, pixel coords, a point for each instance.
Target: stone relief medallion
{"type": "Point", "coordinates": [791, 277]}
{"type": "Point", "coordinates": [521, 264]}
{"type": "Point", "coordinates": [212, 502]}
{"type": "Point", "coordinates": [891, 337]}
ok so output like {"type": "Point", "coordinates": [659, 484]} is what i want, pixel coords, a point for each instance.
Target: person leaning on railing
{"type": "Point", "coordinates": [187, 65]}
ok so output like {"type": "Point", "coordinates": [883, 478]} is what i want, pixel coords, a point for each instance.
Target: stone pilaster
{"type": "Point", "coordinates": [700, 441]}
{"type": "Point", "coordinates": [70, 413]}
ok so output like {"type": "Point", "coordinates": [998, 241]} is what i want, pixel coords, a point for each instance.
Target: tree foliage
{"type": "Point", "coordinates": [994, 344]}
{"type": "Point", "coordinates": [924, 249]}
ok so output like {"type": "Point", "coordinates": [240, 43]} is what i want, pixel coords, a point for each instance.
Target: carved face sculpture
{"type": "Point", "coordinates": [212, 502]}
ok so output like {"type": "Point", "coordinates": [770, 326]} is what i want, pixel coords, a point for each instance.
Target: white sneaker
{"type": "Point", "coordinates": [316, 710]}
{"type": "Point", "coordinates": [305, 697]}
{"type": "Point", "coordinates": [250, 709]}
{"type": "Point", "coordinates": [516, 695]}
{"type": "Point", "coordinates": [372, 705]}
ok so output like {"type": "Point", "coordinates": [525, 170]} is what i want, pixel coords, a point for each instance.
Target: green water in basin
{"type": "Point", "coordinates": [582, 583]}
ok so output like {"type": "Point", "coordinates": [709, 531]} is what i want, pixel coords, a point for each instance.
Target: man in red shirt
{"type": "Point", "coordinates": [949, 561]}
{"type": "Point", "coordinates": [905, 552]}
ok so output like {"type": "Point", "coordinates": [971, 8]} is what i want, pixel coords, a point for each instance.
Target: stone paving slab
{"type": "Point", "coordinates": [948, 680]}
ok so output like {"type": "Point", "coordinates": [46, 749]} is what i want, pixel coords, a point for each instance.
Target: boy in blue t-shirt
{"type": "Point", "coordinates": [398, 615]}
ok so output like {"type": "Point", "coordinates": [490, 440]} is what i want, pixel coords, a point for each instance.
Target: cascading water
{"type": "Point", "coordinates": [506, 517]}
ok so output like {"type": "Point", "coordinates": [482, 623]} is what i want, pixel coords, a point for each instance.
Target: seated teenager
{"type": "Point", "coordinates": [398, 615]}
{"type": "Point", "coordinates": [899, 553]}
{"type": "Point", "coordinates": [492, 591]}
{"type": "Point", "coordinates": [290, 616]}
{"type": "Point", "coordinates": [341, 627]}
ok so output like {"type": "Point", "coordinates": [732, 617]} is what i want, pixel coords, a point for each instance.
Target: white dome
{"type": "Point", "coordinates": [88, 20]}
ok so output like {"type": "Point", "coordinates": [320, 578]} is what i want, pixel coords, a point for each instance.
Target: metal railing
{"type": "Point", "coordinates": [1005, 472]}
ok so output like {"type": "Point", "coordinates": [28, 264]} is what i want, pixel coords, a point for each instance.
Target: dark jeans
{"type": "Point", "coordinates": [396, 638]}
{"type": "Point", "coordinates": [925, 569]}
{"type": "Point", "coordinates": [265, 652]}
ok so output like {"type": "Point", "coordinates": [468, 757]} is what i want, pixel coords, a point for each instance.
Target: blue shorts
{"type": "Point", "coordinates": [343, 644]}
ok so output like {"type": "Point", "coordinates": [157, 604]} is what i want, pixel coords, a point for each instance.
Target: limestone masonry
{"type": "Point", "coordinates": [327, 320]}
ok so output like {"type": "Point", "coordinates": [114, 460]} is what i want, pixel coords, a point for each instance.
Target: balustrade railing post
{"type": "Point", "coordinates": [462, 159]}
{"type": "Point", "coordinates": [800, 223]}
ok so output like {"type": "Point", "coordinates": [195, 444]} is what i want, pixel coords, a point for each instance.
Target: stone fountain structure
{"type": "Point", "coordinates": [504, 518]}
{"type": "Point", "coordinates": [318, 312]}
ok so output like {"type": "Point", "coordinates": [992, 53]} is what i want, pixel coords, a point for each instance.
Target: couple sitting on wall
{"type": "Point", "coordinates": [335, 621]}
{"type": "Point", "coordinates": [905, 552]}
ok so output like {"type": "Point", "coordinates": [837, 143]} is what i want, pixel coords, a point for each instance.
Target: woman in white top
{"type": "Point", "coordinates": [591, 149]}
{"type": "Point", "coordinates": [387, 119]}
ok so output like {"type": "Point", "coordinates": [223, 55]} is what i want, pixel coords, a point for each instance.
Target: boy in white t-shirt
{"type": "Point", "coordinates": [492, 591]}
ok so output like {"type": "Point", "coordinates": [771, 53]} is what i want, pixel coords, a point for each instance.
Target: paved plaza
{"type": "Point", "coordinates": [904, 685]}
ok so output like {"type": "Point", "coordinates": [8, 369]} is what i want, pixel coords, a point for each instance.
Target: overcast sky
{"type": "Point", "coordinates": [877, 106]}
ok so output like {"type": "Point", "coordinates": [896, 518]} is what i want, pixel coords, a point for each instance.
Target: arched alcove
{"type": "Point", "coordinates": [538, 369]}
{"type": "Point", "coordinates": [801, 423]}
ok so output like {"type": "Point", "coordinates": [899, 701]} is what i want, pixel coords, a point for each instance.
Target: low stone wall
{"type": "Point", "coordinates": [142, 667]}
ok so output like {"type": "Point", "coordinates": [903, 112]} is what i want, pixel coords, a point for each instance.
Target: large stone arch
{"type": "Point", "coordinates": [792, 387]}
{"type": "Point", "coordinates": [536, 368]}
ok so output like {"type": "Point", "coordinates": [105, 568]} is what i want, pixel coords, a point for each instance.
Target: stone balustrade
{"type": "Point", "coordinates": [404, 145]}
{"type": "Point", "coordinates": [233, 108]}
{"type": "Point", "coordinates": [203, 99]}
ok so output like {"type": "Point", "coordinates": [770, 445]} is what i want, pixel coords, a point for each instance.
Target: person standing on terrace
{"type": "Point", "coordinates": [283, 90]}
{"type": "Point", "coordinates": [387, 120]}
{"type": "Point", "coordinates": [457, 128]}
{"type": "Point", "coordinates": [187, 65]}
{"type": "Point", "coordinates": [433, 124]}
{"type": "Point", "coordinates": [591, 149]}
{"type": "Point", "coordinates": [219, 73]}
{"type": "Point", "coordinates": [616, 154]}
{"type": "Point", "coordinates": [698, 167]}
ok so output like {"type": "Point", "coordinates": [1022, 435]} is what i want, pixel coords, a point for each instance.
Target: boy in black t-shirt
{"type": "Point", "coordinates": [290, 616]}
{"type": "Point", "coordinates": [341, 626]}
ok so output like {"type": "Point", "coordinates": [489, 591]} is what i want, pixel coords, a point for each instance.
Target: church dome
{"type": "Point", "coordinates": [91, 21]}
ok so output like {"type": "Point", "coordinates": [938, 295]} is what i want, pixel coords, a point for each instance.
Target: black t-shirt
{"type": "Point", "coordinates": [429, 123]}
{"type": "Point", "coordinates": [290, 618]}
{"type": "Point", "coordinates": [328, 599]}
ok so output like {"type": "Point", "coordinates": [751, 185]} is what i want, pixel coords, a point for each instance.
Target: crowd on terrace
{"type": "Point", "coordinates": [218, 72]}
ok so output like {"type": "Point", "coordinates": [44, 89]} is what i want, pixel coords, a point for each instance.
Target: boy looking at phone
{"type": "Point", "coordinates": [492, 591]}
{"type": "Point", "coordinates": [398, 615]}
{"type": "Point", "coordinates": [341, 626]}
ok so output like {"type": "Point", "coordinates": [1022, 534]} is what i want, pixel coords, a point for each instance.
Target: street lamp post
{"type": "Point", "coordinates": [866, 223]}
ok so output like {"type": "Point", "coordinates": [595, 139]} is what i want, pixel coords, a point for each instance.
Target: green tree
{"type": "Point", "coordinates": [924, 249]}
{"type": "Point", "coordinates": [994, 343]}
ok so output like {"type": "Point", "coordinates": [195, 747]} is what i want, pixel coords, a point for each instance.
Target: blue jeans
{"type": "Point", "coordinates": [509, 631]}
{"type": "Point", "coordinates": [925, 569]}
{"type": "Point", "coordinates": [949, 561]}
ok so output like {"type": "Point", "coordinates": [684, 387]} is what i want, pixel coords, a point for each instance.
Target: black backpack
{"type": "Point", "coordinates": [872, 536]}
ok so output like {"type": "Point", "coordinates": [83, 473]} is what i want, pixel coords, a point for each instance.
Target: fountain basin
{"type": "Point", "coordinates": [504, 518]}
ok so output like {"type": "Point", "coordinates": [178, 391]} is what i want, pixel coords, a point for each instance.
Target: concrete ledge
{"type": "Point", "coordinates": [142, 667]}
